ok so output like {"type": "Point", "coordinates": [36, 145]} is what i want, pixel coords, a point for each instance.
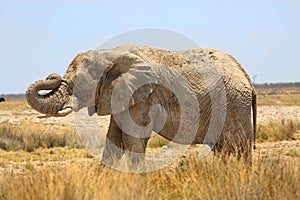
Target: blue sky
{"type": "Point", "coordinates": [41, 37]}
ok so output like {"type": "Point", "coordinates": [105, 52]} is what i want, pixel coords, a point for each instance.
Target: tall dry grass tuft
{"type": "Point", "coordinates": [14, 106]}
{"type": "Point", "coordinates": [30, 137]}
{"type": "Point", "coordinates": [277, 131]}
{"type": "Point", "coordinates": [269, 178]}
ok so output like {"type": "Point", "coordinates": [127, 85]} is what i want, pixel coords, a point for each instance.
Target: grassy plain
{"type": "Point", "coordinates": [269, 178]}
{"type": "Point", "coordinates": [44, 161]}
{"type": "Point", "coordinates": [278, 97]}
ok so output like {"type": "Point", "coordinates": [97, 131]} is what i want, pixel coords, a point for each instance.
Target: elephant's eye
{"type": "Point", "coordinates": [85, 60]}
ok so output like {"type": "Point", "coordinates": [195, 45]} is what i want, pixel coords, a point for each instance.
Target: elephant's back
{"type": "Point", "coordinates": [202, 67]}
{"type": "Point", "coordinates": [230, 69]}
{"type": "Point", "coordinates": [214, 66]}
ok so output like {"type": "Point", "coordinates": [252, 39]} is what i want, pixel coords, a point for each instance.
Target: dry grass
{"type": "Point", "coordinates": [54, 165]}
{"type": "Point", "coordinates": [278, 97]}
{"type": "Point", "coordinates": [30, 137]}
{"type": "Point", "coordinates": [42, 156]}
{"type": "Point", "coordinates": [271, 132]}
{"type": "Point", "coordinates": [14, 106]}
{"type": "Point", "coordinates": [269, 178]}
{"type": "Point", "coordinates": [277, 131]}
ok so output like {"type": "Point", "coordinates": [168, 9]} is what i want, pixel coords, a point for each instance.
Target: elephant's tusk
{"type": "Point", "coordinates": [64, 112]}
{"type": "Point", "coordinates": [43, 116]}
{"type": "Point", "coordinates": [61, 113]}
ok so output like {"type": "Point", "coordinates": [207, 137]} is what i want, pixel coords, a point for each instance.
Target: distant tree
{"type": "Point", "coordinates": [278, 85]}
{"type": "Point", "coordinates": [2, 99]}
{"type": "Point", "coordinates": [254, 78]}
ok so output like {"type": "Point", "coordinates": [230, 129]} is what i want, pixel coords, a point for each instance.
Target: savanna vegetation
{"type": "Point", "coordinates": [268, 178]}
{"type": "Point", "coordinates": [270, 96]}
{"type": "Point", "coordinates": [42, 161]}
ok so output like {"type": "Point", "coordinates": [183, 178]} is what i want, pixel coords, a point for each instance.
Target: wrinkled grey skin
{"type": "Point", "coordinates": [83, 82]}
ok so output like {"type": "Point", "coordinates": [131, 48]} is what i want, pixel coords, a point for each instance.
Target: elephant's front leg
{"type": "Point", "coordinates": [134, 149]}
{"type": "Point", "coordinates": [114, 148]}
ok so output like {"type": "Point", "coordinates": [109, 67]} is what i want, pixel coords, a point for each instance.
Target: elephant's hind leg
{"type": "Point", "coordinates": [114, 148]}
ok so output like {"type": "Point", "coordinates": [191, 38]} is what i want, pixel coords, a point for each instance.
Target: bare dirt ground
{"type": "Point", "coordinates": [277, 113]}
{"type": "Point", "coordinates": [265, 114]}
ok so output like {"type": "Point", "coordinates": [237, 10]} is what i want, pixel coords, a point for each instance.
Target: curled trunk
{"type": "Point", "coordinates": [54, 102]}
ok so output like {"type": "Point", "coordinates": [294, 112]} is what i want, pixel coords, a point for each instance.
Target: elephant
{"type": "Point", "coordinates": [2, 99]}
{"type": "Point", "coordinates": [101, 80]}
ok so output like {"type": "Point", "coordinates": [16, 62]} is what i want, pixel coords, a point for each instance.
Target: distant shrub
{"type": "Point", "coordinates": [277, 131]}
{"type": "Point", "coordinates": [29, 137]}
{"type": "Point", "coordinates": [278, 85]}
{"type": "Point", "coordinates": [157, 141]}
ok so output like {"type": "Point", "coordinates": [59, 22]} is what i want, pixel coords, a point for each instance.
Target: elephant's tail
{"type": "Point", "coordinates": [254, 109]}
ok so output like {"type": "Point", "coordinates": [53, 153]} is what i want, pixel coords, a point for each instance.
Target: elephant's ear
{"type": "Point", "coordinates": [126, 82]}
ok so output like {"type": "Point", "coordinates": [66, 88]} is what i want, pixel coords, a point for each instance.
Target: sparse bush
{"type": "Point", "coordinates": [277, 131]}
{"type": "Point", "coordinates": [157, 141]}
{"type": "Point", "coordinates": [30, 137]}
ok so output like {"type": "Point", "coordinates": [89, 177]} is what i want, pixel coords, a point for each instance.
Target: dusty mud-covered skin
{"type": "Point", "coordinates": [84, 83]}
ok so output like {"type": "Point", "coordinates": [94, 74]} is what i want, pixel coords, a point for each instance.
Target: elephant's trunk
{"type": "Point", "coordinates": [55, 103]}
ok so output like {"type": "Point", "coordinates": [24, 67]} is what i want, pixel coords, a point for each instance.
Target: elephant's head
{"type": "Point", "coordinates": [76, 89]}
{"type": "Point", "coordinates": [90, 75]}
